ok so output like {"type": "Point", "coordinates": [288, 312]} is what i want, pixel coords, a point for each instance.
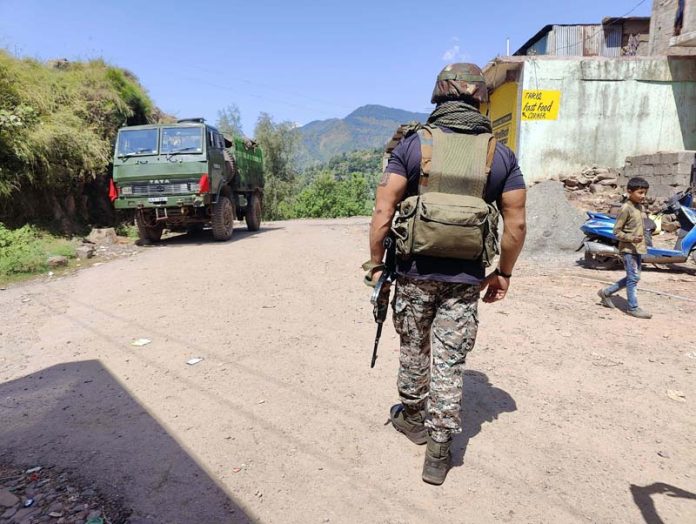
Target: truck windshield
{"type": "Point", "coordinates": [181, 139]}
{"type": "Point", "coordinates": [137, 142]}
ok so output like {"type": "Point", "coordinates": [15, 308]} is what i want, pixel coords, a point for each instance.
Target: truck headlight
{"type": "Point", "coordinates": [126, 190]}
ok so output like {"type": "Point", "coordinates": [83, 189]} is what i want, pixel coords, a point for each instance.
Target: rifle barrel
{"type": "Point", "coordinates": [374, 351]}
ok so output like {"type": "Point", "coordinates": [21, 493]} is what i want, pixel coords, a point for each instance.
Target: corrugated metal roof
{"type": "Point", "coordinates": [592, 40]}
{"type": "Point", "coordinates": [611, 45]}
{"type": "Point", "coordinates": [568, 40]}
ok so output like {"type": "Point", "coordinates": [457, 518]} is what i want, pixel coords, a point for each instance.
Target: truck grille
{"type": "Point", "coordinates": [180, 188]}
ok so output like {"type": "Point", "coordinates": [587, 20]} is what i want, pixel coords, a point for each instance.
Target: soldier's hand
{"type": "Point", "coordinates": [495, 287]}
{"type": "Point", "coordinates": [375, 277]}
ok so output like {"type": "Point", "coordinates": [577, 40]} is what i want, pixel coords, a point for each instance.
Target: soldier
{"type": "Point", "coordinates": [436, 298]}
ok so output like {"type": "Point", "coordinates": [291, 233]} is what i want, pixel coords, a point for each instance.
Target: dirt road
{"type": "Point", "coordinates": [567, 416]}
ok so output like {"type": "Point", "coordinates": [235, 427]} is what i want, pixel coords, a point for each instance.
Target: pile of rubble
{"type": "Point", "coordinates": [597, 189]}
{"type": "Point", "coordinates": [43, 495]}
{"type": "Point", "coordinates": [594, 179]}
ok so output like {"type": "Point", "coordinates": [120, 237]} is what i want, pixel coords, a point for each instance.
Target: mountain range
{"type": "Point", "coordinates": [368, 127]}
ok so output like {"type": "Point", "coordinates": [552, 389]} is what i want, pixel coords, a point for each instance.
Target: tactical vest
{"type": "Point", "coordinates": [449, 217]}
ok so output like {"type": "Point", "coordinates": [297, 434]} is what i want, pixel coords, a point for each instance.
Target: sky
{"type": "Point", "coordinates": [296, 60]}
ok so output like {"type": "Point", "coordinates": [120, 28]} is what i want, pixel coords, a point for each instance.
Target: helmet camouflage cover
{"type": "Point", "coordinates": [457, 81]}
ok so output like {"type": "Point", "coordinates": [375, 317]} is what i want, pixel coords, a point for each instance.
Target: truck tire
{"type": "Point", "coordinates": [147, 232]}
{"type": "Point", "coordinates": [223, 219]}
{"type": "Point", "coordinates": [253, 213]}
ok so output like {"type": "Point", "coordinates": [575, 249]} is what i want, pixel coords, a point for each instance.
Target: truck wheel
{"type": "Point", "coordinates": [146, 231]}
{"type": "Point", "coordinates": [253, 213]}
{"type": "Point", "coordinates": [223, 219]}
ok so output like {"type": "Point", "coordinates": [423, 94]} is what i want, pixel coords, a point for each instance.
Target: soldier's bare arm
{"type": "Point", "coordinates": [512, 207]}
{"type": "Point", "coordinates": [389, 193]}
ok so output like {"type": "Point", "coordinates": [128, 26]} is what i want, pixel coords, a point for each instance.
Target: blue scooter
{"type": "Point", "coordinates": [601, 246]}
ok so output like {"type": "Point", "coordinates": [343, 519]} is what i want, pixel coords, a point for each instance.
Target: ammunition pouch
{"type": "Point", "coordinates": [446, 225]}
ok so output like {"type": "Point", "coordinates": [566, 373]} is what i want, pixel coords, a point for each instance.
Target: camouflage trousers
{"type": "Point", "coordinates": [438, 319]}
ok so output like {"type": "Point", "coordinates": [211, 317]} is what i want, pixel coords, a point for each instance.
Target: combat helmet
{"type": "Point", "coordinates": [457, 81]}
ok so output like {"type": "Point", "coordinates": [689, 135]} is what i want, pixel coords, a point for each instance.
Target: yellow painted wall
{"type": "Point", "coordinates": [503, 114]}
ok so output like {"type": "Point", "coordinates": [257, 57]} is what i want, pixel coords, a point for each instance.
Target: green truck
{"type": "Point", "coordinates": [186, 176]}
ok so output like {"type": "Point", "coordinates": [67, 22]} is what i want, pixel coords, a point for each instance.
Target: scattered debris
{"type": "Point", "coordinates": [103, 236]}
{"type": "Point", "coordinates": [194, 361]}
{"type": "Point", "coordinates": [692, 355]}
{"type": "Point", "coordinates": [664, 454]}
{"type": "Point", "coordinates": [57, 261]}
{"type": "Point", "coordinates": [45, 494]}
{"type": "Point", "coordinates": [596, 179]}
{"type": "Point", "coordinates": [139, 342]}
{"type": "Point", "coordinates": [7, 499]}
{"type": "Point", "coordinates": [676, 395]}
{"type": "Point", "coordinates": [85, 251]}
{"type": "Point", "coordinates": [604, 361]}
{"type": "Point", "coordinates": [262, 401]}
{"type": "Point", "coordinates": [236, 470]}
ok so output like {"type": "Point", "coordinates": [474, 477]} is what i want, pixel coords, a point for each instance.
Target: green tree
{"type": "Point", "coordinates": [279, 142]}
{"type": "Point", "coordinates": [329, 197]}
{"type": "Point", "coordinates": [229, 121]}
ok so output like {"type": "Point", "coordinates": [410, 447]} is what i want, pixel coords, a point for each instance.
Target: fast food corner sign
{"type": "Point", "coordinates": [540, 104]}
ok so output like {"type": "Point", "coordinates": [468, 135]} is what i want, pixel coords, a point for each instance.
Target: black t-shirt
{"type": "Point", "coordinates": [505, 176]}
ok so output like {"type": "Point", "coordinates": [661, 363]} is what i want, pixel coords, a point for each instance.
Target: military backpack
{"type": "Point", "coordinates": [449, 217]}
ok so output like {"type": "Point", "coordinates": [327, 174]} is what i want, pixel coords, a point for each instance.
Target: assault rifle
{"type": "Point", "coordinates": [380, 296]}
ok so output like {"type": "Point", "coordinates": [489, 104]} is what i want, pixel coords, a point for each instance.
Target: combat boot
{"type": "Point", "coordinates": [437, 461]}
{"type": "Point", "coordinates": [410, 422]}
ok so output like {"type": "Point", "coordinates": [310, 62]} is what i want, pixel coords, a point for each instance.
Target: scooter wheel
{"type": "Point", "coordinates": [599, 262]}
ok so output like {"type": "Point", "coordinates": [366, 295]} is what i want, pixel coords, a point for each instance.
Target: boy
{"type": "Point", "coordinates": [629, 230]}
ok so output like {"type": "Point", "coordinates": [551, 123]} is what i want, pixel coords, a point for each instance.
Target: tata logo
{"type": "Point", "coordinates": [159, 181]}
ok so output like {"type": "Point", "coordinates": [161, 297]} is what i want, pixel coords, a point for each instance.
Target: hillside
{"type": "Point", "coordinates": [58, 120]}
{"type": "Point", "coordinates": [367, 127]}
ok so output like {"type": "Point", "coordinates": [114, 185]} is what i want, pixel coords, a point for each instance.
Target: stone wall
{"type": "Point", "coordinates": [664, 13]}
{"type": "Point", "coordinates": [667, 172]}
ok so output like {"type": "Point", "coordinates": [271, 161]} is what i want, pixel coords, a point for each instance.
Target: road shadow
{"type": "Point", "coordinates": [649, 268]}
{"type": "Point", "coordinates": [481, 402]}
{"type": "Point", "coordinates": [642, 496]}
{"type": "Point", "coordinates": [206, 237]}
{"type": "Point", "coordinates": [669, 269]}
{"type": "Point", "coordinates": [78, 417]}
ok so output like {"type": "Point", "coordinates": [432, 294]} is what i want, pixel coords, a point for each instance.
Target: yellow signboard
{"type": "Point", "coordinates": [540, 105]}
{"type": "Point", "coordinates": [503, 114]}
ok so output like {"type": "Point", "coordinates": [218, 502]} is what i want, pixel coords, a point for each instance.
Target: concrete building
{"type": "Point", "coordinates": [563, 113]}
{"type": "Point", "coordinates": [673, 28]}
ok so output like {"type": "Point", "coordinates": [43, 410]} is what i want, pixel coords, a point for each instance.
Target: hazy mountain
{"type": "Point", "coordinates": [367, 127]}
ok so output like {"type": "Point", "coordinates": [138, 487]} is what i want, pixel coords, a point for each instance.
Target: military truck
{"type": "Point", "coordinates": [186, 176]}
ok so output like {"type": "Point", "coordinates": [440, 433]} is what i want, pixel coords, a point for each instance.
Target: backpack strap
{"type": "Point", "coordinates": [425, 134]}
{"type": "Point", "coordinates": [403, 131]}
{"type": "Point", "coordinates": [491, 154]}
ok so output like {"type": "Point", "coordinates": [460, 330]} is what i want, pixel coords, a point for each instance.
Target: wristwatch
{"type": "Point", "coordinates": [499, 272]}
